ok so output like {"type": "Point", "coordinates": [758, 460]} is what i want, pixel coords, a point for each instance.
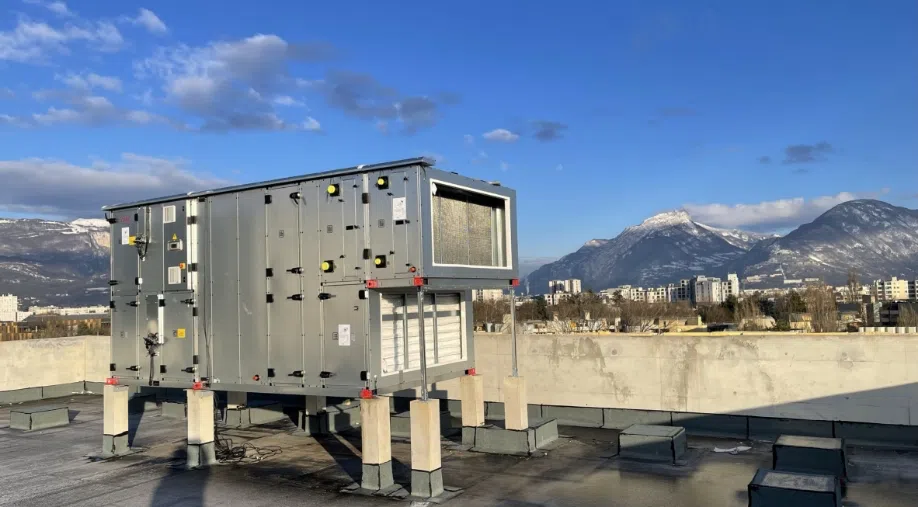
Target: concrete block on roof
{"type": "Point", "coordinates": [39, 418]}
{"type": "Point", "coordinates": [653, 443]}
{"type": "Point", "coordinates": [793, 453]}
{"type": "Point", "coordinates": [771, 488]}
{"type": "Point", "coordinates": [495, 438]}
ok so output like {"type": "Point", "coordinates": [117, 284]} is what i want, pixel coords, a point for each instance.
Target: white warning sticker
{"type": "Point", "coordinates": [344, 335]}
{"type": "Point", "coordinates": [125, 235]}
{"type": "Point", "coordinates": [399, 208]}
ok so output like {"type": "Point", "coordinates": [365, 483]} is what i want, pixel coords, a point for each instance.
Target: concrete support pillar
{"type": "Point", "coordinates": [115, 420]}
{"type": "Point", "coordinates": [426, 474]}
{"type": "Point", "coordinates": [315, 405]}
{"type": "Point", "coordinates": [376, 444]}
{"type": "Point", "coordinates": [201, 449]}
{"type": "Point", "coordinates": [473, 405]}
{"type": "Point", "coordinates": [236, 399]}
{"type": "Point", "coordinates": [516, 406]}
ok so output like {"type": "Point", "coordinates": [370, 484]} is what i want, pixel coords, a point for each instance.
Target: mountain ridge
{"type": "Point", "coordinates": [669, 246]}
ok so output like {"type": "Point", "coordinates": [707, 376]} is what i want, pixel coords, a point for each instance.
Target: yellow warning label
{"type": "Point", "coordinates": [132, 239]}
{"type": "Point", "coordinates": [180, 332]}
{"type": "Point", "coordinates": [174, 236]}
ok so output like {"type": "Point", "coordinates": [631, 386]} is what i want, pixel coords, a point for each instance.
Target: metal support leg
{"type": "Point", "coordinates": [513, 330]}
{"type": "Point", "coordinates": [422, 343]}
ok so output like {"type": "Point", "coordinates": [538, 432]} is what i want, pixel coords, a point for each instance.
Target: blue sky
{"type": "Point", "coordinates": [757, 115]}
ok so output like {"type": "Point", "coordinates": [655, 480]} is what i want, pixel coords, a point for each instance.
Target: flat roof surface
{"type": "Point", "coordinates": [54, 467]}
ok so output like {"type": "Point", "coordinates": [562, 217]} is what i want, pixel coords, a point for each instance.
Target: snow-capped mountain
{"type": "Point", "coordinates": [739, 238]}
{"type": "Point", "coordinates": [52, 262]}
{"type": "Point", "coordinates": [875, 238]}
{"type": "Point", "coordinates": [660, 250]}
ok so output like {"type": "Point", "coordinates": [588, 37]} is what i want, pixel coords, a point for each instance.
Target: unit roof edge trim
{"type": "Point", "coordinates": [423, 161]}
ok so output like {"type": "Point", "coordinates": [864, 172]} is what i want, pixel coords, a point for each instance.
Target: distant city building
{"type": "Point", "coordinates": [9, 305]}
{"type": "Point", "coordinates": [731, 286]}
{"type": "Point", "coordinates": [570, 286]}
{"type": "Point", "coordinates": [708, 290]}
{"type": "Point", "coordinates": [487, 294]}
{"type": "Point", "coordinates": [893, 289]}
{"type": "Point", "coordinates": [76, 310]}
{"type": "Point", "coordinates": [913, 290]}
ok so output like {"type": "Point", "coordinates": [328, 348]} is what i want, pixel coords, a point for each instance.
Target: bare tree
{"type": "Point", "coordinates": [854, 286]}
{"type": "Point", "coordinates": [908, 317]}
{"type": "Point", "coordinates": [490, 312]}
{"type": "Point", "coordinates": [748, 313]}
{"type": "Point", "coordinates": [820, 304]}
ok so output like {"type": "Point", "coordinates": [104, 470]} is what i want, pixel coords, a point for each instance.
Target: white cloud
{"type": "Point", "coordinates": [90, 81]}
{"type": "Point", "coordinates": [36, 185]}
{"type": "Point", "coordinates": [34, 41]}
{"type": "Point", "coordinates": [770, 215]}
{"type": "Point", "coordinates": [286, 100]}
{"type": "Point", "coordinates": [149, 20]}
{"type": "Point", "coordinates": [311, 124]}
{"type": "Point", "coordinates": [504, 166]}
{"type": "Point", "coordinates": [59, 8]}
{"type": "Point", "coordinates": [225, 85]}
{"type": "Point", "coordinates": [501, 135]}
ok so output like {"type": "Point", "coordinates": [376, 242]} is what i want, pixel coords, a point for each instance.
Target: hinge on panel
{"type": "Point", "coordinates": [269, 272]}
{"type": "Point", "coordinates": [162, 368]}
{"type": "Point", "coordinates": [267, 198]}
{"type": "Point", "coordinates": [194, 359]}
{"type": "Point", "coordinates": [194, 311]}
{"type": "Point", "coordinates": [111, 304]}
{"type": "Point", "coordinates": [363, 376]}
{"type": "Point", "coordinates": [162, 302]}
{"type": "Point", "coordinates": [367, 254]}
{"type": "Point", "coordinates": [193, 267]}
{"type": "Point", "coordinates": [366, 198]}
{"type": "Point", "coordinates": [270, 372]}
{"type": "Point", "coordinates": [202, 199]}
{"type": "Point", "coordinates": [192, 220]}
{"type": "Point", "coordinates": [111, 367]}
{"type": "Point", "coordinates": [270, 298]}
{"type": "Point", "coordinates": [111, 220]}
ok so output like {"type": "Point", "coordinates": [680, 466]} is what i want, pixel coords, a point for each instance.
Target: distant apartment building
{"type": "Point", "coordinates": [481, 295]}
{"type": "Point", "coordinates": [9, 305]}
{"type": "Point", "coordinates": [75, 310]}
{"type": "Point", "coordinates": [892, 290]}
{"type": "Point", "coordinates": [731, 286]}
{"type": "Point", "coordinates": [708, 290]}
{"type": "Point", "coordinates": [913, 290]}
{"type": "Point", "coordinates": [570, 286]}
{"type": "Point", "coordinates": [556, 298]}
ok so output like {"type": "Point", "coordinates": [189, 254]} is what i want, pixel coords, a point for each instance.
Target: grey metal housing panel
{"type": "Point", "coordinates": [285, 323]}
{"type": "Point", "coordinates": [253, 309]}
{"type": "Point", "coordinates": [125, 341]}
{"type": "Point", "coordinates": [220, 288]}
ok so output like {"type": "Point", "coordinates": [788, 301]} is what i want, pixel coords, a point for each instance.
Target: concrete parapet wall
{"type": "Point", "coordinates": [53, 361]}
{"type": "Point", "coordinates": [843, 377]}
{"type": "Point", "coordinates": [859, 378]}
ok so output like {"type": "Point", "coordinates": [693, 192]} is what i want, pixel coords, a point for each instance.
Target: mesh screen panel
{"type": "Point", "coordinates": [453, 224]}
{"type": "Point", "coordinates": [480, 237]}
